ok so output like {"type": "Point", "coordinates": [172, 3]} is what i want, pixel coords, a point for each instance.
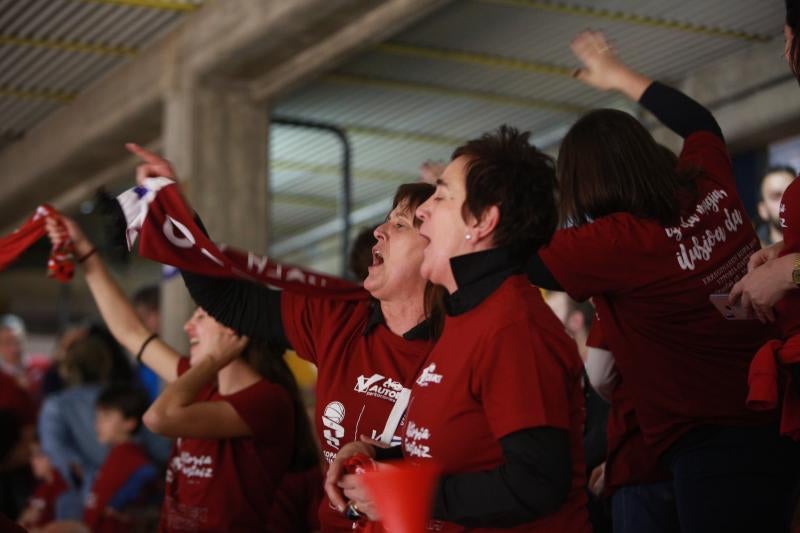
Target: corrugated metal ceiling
{"type": "Point", "coordinates": [464, 70]}
{"type": "Point", "coordinates": [472, 66]}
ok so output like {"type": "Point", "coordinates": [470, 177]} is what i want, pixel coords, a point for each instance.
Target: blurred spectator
{"type": "Point", "coordinates": [17, 421]}
{"type": "Point", "coordinates": [147, 307]}
{"type": "Point", "coordinates": [12, 354]}
{"type": "Point", "coordinates": [40, 510]}
{"type": "Point", "coordinates": [361, 253]}
{"type": "Point", "coordinates": [120, 370]}
{"type": "Point", "coordinates": [67, 422]}
{"type": "Point", "coordinates": [430, 171]}
{"type": "Point", "coordinates": [127, 477]}
{"type": "Point", "coordinates": [773, 183]}
{"type": "Point", "coordinates": [52, 381]}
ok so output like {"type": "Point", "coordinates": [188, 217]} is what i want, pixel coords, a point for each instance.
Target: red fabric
{"type": "Point", "coordinates": [122, 461]}
{"type": "Point", "coordinates": [770, 381]}
{"type": "Point", "coordinates": [296, 505]}
{"type": "Point", "coordinates": [169, 235]}
{"type": "Point", "coordinates": [228, 485]}
{"type": "Point", "coordinates": [629, 460]}
{"type": "Point", "coordinates": [61, 264]}
{"type": "Point", "coordinates": [359, 376]}
{"type": "Point", "coordinates": [501, 367]}
{"type": "Point", "coordinates": [44, 498]}
{"type": "Point", "coordinates": [685, 364]}
{"type": "Point", "coordinates": [787, 310]}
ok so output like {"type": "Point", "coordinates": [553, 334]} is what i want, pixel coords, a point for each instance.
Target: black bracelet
{"type": "Point", "coordinates": [144, 345]}
{"type": "Point", "coordinates": [87, 255]}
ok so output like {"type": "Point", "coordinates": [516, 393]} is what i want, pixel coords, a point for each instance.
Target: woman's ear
{"type": "Point", "coordinates": [486, 224]}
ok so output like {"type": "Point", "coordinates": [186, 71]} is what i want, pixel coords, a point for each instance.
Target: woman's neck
{"type": "Point", "coordinates": [236, 376]}
{"type": "Point", "coordinates": [402, 315]}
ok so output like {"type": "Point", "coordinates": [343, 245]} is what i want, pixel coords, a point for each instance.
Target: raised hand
{"type": "Point", "coordinates": [602, 69]}
{"type": "Point", "coordinates": [64, 229]}
{"type": "Point", "coordinates": [153, 165]}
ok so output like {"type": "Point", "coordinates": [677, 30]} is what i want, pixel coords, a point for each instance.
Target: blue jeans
{"type": "Point", "coordinates": [645, 508]}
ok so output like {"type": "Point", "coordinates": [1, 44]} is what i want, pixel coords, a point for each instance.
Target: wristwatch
{"type": "Point", "coordinates": [796, 272]}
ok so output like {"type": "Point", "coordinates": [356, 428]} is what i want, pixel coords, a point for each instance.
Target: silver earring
{"type": "Point", "coordinates": [468, 236]}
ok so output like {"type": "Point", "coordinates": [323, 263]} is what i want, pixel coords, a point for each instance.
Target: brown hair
{"type": "Point", "coordinates": [609, 163]}
{"type": "Point", "coordinates": [86, 361]}
{"type": "Point", "coordinates": [413, 195]}
{"type": "Point", "coordinates": [793, 21]}
{"type": "Point", "coordinates": [506, 171]}
{"type": "Point", "coordinates": [266, 358]}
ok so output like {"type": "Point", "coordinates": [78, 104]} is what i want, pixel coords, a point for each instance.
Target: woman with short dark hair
{"type": "Point", "coordinates": [498, 403]}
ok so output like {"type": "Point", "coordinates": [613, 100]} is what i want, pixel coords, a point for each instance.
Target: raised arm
{"type": "Point", "coordinates": [247, 308]}
{"type": "Point", "coordinates": [602, 69]}
{"type": "Point", "coordinates": [115, 308]}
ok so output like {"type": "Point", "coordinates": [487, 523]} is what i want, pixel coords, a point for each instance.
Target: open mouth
{"type": "Point", "coordinates": [377, 257]}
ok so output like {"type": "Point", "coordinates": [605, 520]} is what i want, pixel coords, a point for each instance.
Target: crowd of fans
{"type": "Point", "coordinates": [564, 359]}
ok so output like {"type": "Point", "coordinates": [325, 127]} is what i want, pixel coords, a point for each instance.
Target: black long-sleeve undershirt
{"type": "Point", "coordinates": [675, 110]}
{"type": "Point", "coordinates": [534, 481]}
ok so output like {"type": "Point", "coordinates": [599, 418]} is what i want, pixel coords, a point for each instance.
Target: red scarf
{"type": "Point", "coordinates": [61, 264]}
{"type": "Point", "coordinates": [170, 235]}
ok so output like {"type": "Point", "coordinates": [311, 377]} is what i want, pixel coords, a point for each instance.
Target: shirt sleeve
{"type": "Point", "coordinates": [522, 383]}
{"type": "Point", "coordinates": [598, 257]}
{"type": "Point", "coordinates": [677, 111]}
{"type": "Point", "coordinates": [309, 323]}
{"type": "Point", "coordinates": [533, 481]}
{"type": "Point", "coordinates": [266, 408]}
{"type": "Point", "coordinates": [708, 152]}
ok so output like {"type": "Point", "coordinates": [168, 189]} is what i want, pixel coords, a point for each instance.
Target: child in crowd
{"type": "Point", "coordinates": [127, 475]}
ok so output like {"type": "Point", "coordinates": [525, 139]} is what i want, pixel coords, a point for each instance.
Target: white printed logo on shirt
{"type": "Point", "coordinates": [332, 418]}
{"type": "Point", "coordinates": [376, 386]}
{"type": "Point", "coordinates": [429, 375]}
{"type": "Point", "coordinates": [415, 438]}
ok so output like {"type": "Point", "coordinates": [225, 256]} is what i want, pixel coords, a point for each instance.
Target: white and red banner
{"type": "Point", "coordinates": [155, 212]}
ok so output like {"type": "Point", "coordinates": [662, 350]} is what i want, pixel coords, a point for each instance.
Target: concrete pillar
{"type": "Point", "coordinates": [216, 135]}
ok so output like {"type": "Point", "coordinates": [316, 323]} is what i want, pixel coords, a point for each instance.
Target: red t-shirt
{"type": "Point", "coordinates": [685, 364]}
{"type": "Point", "coordinates": [228, 484]}
{"type": "Point", "coordinates": [629, 461]}
{"type": "Point", "coordinates": [360, 376]}
{"type": "Point", "coordinates": [787, 310]}
{"type": "Point", "coordinates": [296, 505]}
{"type": "Point", "coordinates": [44, 499]}
{"type": "Point", "coordinates": [503, 366]}
{"type": "Point", "coordinates": [122, 463]}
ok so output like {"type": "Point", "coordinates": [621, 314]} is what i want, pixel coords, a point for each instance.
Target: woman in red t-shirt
{"type": "Point", "coordinates": [651, 242]}
{"type": "Point", "coordinates": [232, 406]}
{"type": "Point", "coordinates": [367, 350]}
{"type": "Point", "coordinates": [498, 404]}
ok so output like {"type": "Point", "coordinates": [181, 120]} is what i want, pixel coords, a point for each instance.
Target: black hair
{"type": "Point", "coordinates": [129, 400]}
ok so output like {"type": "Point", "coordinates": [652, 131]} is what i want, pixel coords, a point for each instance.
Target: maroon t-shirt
{"type": "Point", "coordinates": [361, 373]}
{"type": "Point", "coordinates": [629, 461]}
{"type": "Point", "coordinates": [228, 484]}
{"type": "Point", "coordinates": [122, 462]}
{"type": "Point", "coordinates": [686, 365]}
{"type": "Point", "coordinates": [787, 310]}
{"type": "Point", "coordinates": [503, 366]}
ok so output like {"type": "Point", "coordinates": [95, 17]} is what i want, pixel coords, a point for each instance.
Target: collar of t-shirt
{"type": "Point", "coordinates": [477, 276]}
{"type": "Point", "coordinates": [420, 332]}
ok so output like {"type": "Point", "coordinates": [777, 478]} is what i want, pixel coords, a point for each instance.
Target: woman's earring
{"type": "Point", "coordinates": [468, 236]}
